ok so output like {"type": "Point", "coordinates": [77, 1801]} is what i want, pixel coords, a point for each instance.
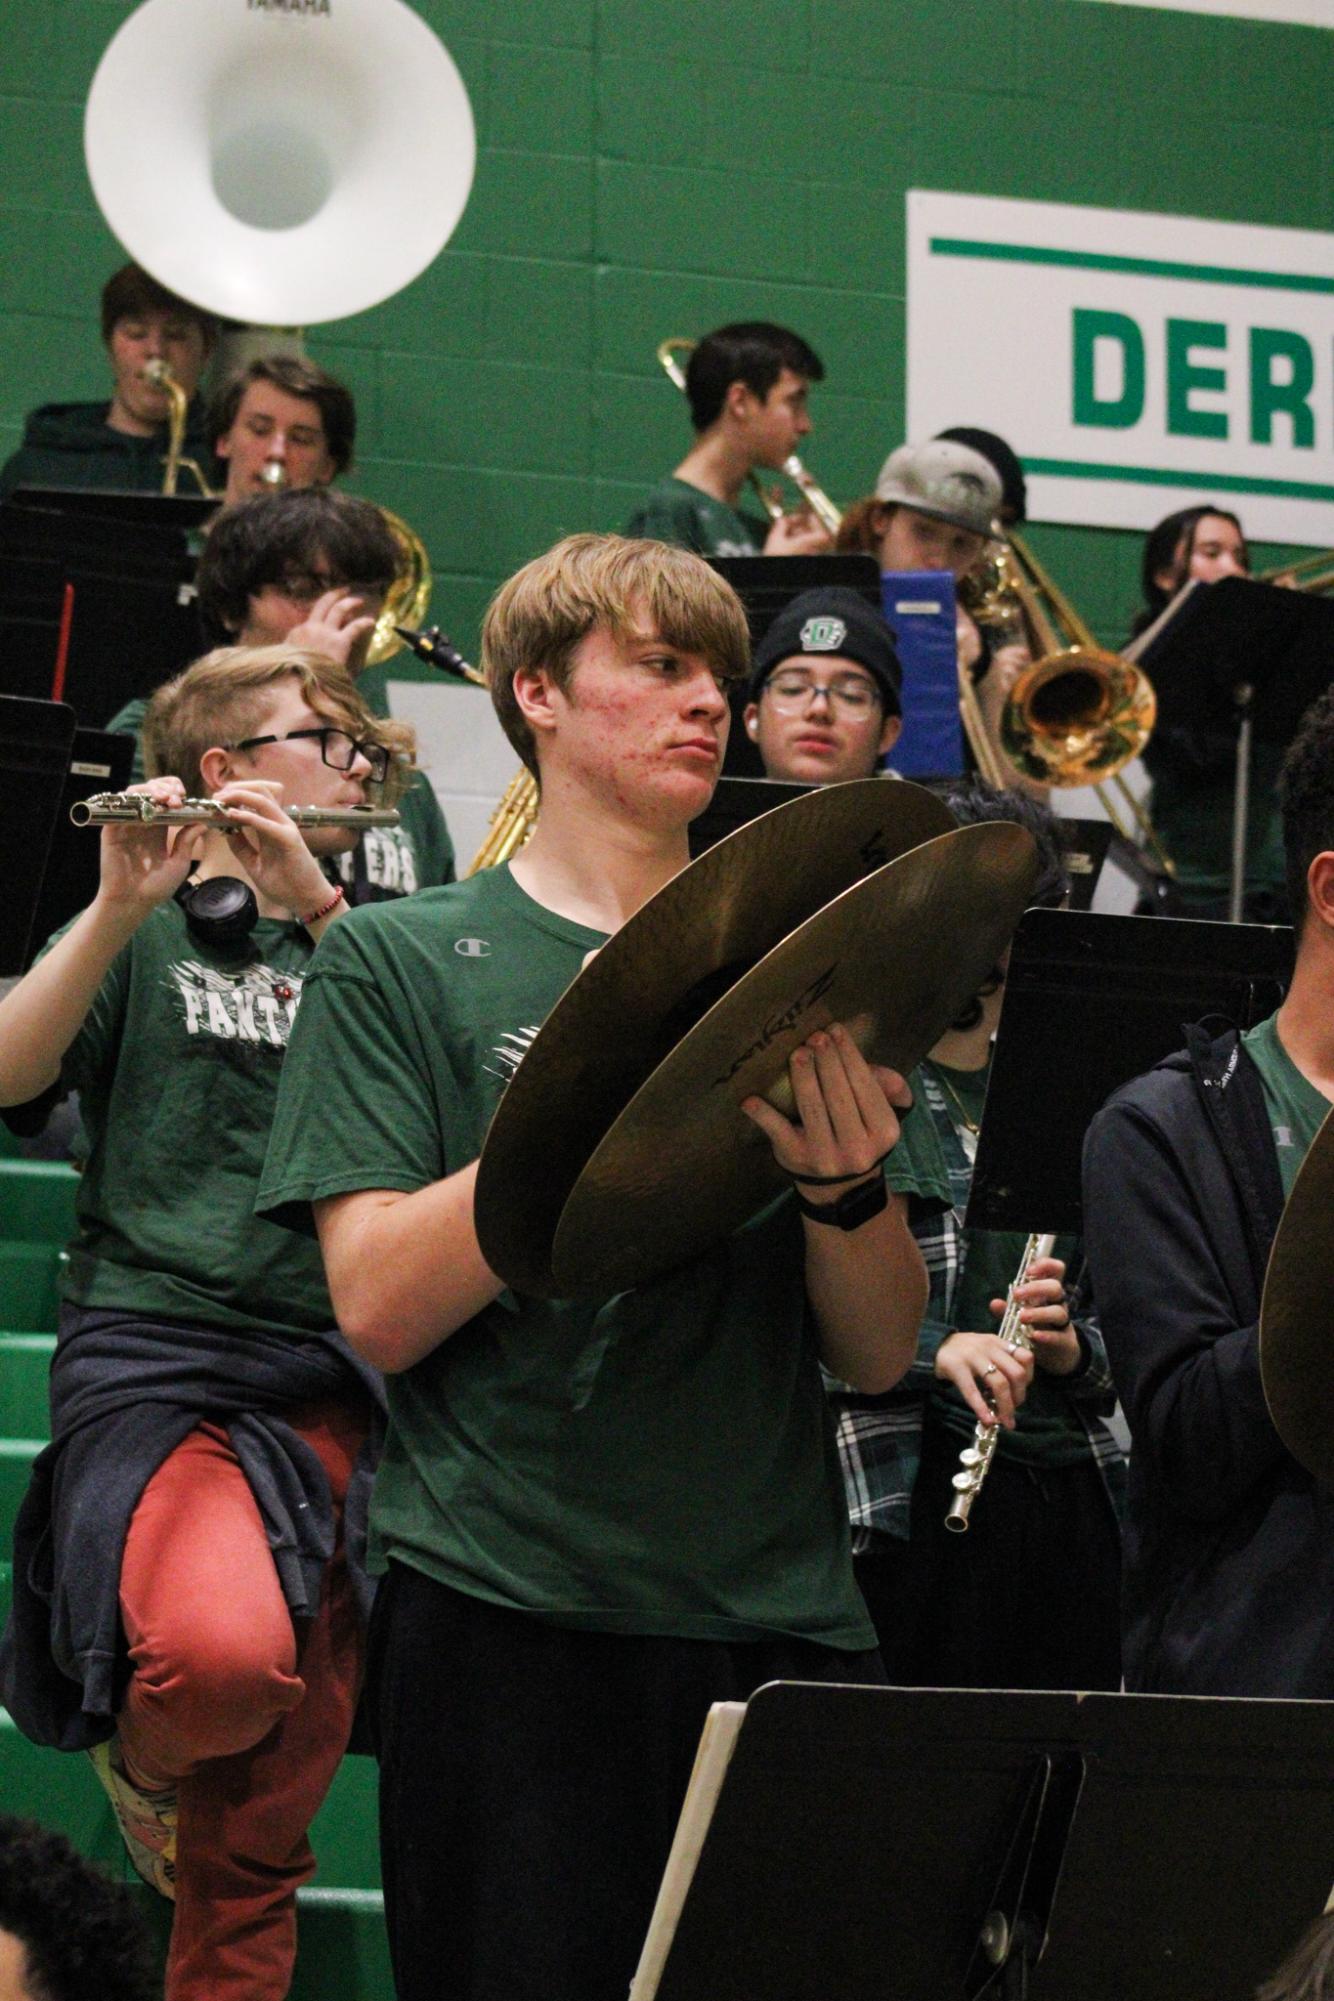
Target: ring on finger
{"type": "Point", "coordinates": [990, 1369]}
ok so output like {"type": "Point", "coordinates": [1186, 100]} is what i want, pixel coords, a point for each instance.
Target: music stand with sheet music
{"type": "Point", "coordinates": [35, 742]}
{"type": "Point", "coordinates": [764, 585]}
{"type": "Point", "coordinates": [1243, 655]}
{"type": "Point", "coordinates": [884, 1844]}
{"type": "Point", "coordinates": [1091, 1001]}
{"type": "Point", "coordinates": [99, 761]}
{"type": "Point", "coordinates": [130, 563]}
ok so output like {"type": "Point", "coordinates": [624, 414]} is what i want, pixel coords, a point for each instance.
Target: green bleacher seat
{"type": "Point", "coordinates": [37, 1201]}
{"type": "Point", "coordinates": [25, 1363]}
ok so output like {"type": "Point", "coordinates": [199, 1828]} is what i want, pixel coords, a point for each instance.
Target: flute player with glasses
{"type": "Point", "coordinates": [188, 1603]}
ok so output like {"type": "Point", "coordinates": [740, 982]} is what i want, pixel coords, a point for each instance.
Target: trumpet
{"type": "Point", "coordinates": [976, 1457]}
{"type": "Point", "coordinates": [117, 809]}
{"type": "Point", "coordinates": [822, 507]}
{"type": "Point", "coordinates": [158, 372]}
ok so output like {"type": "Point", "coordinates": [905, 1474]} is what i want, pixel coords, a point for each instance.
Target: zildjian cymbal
{"type": "Point", "coordinates": [896, 958]}
{"type": "Point", "coordinates": [1297, 1315]}
{"type": "Point", "coordinates": [653, 980]}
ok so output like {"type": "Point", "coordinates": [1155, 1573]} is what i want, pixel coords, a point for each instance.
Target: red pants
{"type": "Point", "coordinates": [224, 1703]}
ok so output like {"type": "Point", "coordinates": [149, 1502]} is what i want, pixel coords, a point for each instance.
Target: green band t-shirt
{"type": "Point", "coordinates": [659, 1462]}
{"type": "Point", "coordinates": [177, 1066]}
{"type": "Point", "coordinates": [1296, 1109]}
{"type": "Point", "coordinates": [677, 512]}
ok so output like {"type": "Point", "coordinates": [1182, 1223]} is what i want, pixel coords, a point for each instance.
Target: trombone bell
{"type": "Point", "coordinates": [1077, 716]}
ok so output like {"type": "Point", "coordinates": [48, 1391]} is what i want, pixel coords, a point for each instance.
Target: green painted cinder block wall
{"type": "Point", "coordinates": [651, 167]}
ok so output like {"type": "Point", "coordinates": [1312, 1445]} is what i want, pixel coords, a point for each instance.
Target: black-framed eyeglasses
{"type": "Point", "coordinates": [337, 749]}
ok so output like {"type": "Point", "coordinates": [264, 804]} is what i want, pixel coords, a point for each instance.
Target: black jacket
{"type": "Point", "coordinates": [1229, 1545]}
{"type": "Point", "coordinates": [72, 444]}
{"type": "Point", "coordinates": [124, 1393]}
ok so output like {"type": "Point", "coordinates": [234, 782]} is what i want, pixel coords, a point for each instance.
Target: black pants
{"type": "Point", "coordinates": [1029, 1597]}
{"type": "Point", "coordinates": [530, 1783]}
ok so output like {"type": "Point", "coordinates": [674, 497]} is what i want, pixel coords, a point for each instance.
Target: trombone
{"type": "Point", "coordinates": [822, 507]}
{"type": "Point", "coordinates": [1078, 713]}
{"type": "Point", "coordinates": [1313, 573]}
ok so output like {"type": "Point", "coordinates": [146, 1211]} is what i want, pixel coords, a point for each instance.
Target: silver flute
{"type": "Point", "coordinates": [975, 1459]}
{"type": "Point", "coordinates": [114, 809]}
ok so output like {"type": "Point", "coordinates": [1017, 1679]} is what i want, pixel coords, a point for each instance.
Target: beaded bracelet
{"type": "Point", "coordinates": [325, 909]}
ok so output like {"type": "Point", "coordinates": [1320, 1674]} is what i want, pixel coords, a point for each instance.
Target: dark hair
{"type": "Point", "coordinates": [297, 377]}
{"type": "Point", "coordinates": [264, 540]}
{"type": "Point", "coordinates": [751, 351]}
{"type": "Point", "coordinates": [1306, 796]}
{"type": "Point", "coordinates": [1165, 545]}
{"type": "Point", "coordinates": [1009, 471]}
{"type": "Point", "coordinates": [975, 801]}
{"type": "Point", "coordinates": [1307, 1974]}
{"type": "Point", "coordinates": [132, 291]}
{"type": "Point", "coordinates": [82, 1935]}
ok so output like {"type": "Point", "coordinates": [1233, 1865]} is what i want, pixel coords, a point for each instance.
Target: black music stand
{"type": "Point", "coordinates": [874, 1844]}
{"type": "Point", "coordinates": [764, 585]}
{"type": "Point", "coordinates": [736, 801]}
{"type": "Point", "coordinates": [35, 741]}
{"type": "Point", "coordinates": [1091, 1001]}
{"type": "Point", "coordinates": [130, 561]}
{"type": "Point", "coordinates": [1239, 655]}
{"type": "Point", "coordinates": [99, 761]}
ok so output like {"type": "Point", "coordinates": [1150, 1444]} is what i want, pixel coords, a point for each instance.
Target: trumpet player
{"type": "Point", "coordinates": [122, 443]}
{"type": "Point", "coordinates": [211, 1434]}
{"type": "Point", "coordinates": [1028, 1597]}
{"type": "Point", "coordinates": [748, 387]}
{"type": "Point", "coordinates": [1229, 1547]}
{"type": "Point", "coordinates": [283, 421]}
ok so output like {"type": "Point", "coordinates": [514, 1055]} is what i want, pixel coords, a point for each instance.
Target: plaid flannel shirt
{"type": "Point", "coordinates": [880, 1437]}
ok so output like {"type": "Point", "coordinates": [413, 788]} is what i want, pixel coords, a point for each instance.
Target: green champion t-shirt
{"type": "Point", "coordinates": [677, 512]}
{"type": "Point", "coordinates": [1296, 1109]}
{"type": "Point", "coordinates": [659, 1462]}
{"type": "Point", "coordinates": [177, 1066]}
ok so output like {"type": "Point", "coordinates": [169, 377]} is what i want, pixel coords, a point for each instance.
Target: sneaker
{"type": "Point", "coordinates": [147, 1819]}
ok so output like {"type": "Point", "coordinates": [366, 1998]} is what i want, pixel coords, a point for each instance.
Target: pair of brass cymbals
{"type": "Point", "coordinates": [619, 1148]}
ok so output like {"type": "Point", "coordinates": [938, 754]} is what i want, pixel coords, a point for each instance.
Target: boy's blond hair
{"type": "Point", "coordinates": [222, 699]}
{"type": "Point", "coordinates": [538, 618]}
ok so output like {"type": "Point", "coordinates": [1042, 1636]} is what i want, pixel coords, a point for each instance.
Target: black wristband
{"type": "Point", "coordinates": [851, 1209]}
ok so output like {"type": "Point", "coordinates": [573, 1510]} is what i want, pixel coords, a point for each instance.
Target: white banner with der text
{"type": "Point", "coordinates": [1136, 362]}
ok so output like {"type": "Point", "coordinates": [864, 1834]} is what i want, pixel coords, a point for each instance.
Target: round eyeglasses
{"type": "Point", "coordinates": [849, 694]}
